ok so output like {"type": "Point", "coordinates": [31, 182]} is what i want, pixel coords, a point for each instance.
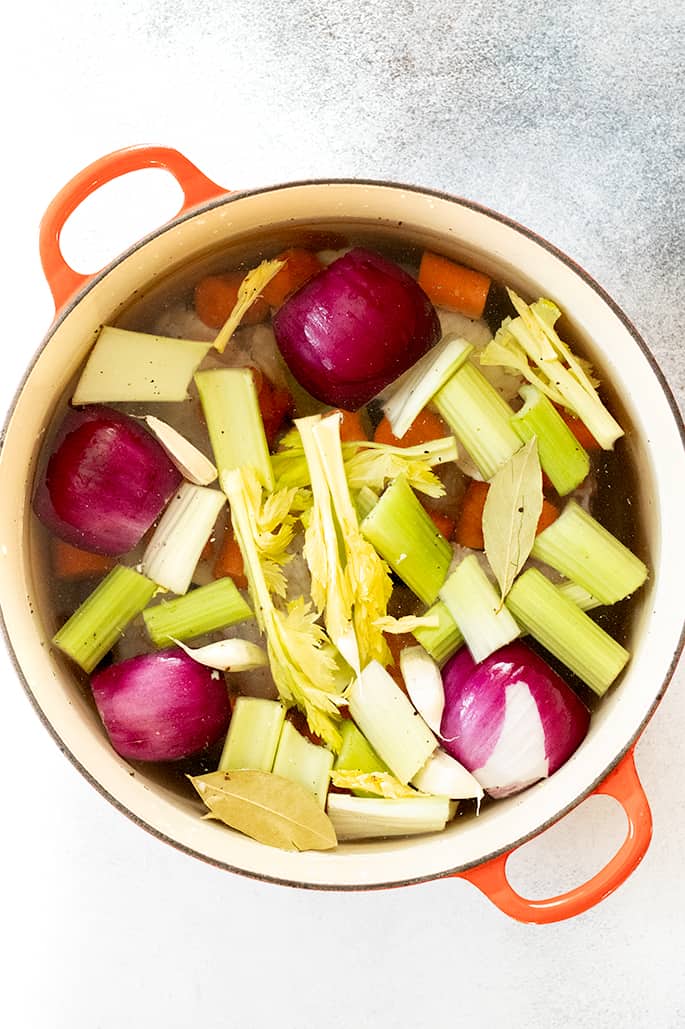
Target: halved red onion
{"type": "Point", "coordinates": [511, 720]}
{"type": "Point", "coordinates": [106, 481]}
{"type": "Point", "coordinates": [161, 706]}
{"type": "Point", "coordinates": [354, 328]}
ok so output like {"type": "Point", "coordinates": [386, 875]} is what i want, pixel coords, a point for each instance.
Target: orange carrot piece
{"type": "Point", "coordinates": [452, 286]}
{"type": "Point", "coordinates": [469, 532]}
{"type": "Point", "coordinates": [443, 523]}
{"type": "Point", "coordinates": [470, 525]}
{"type": "Point", "coordinates": [275, 405]}
{"type": "Point", "coordinates": [351, 428]}
{"type": "Point", "coordinates": [216, 295]}
{"type": "Point", "coordinates": [549, 514]}
{"type": "Point", "coordinates": [579, 430]}
{"type": "Point", "coordinates": [229, 561]}
{"type": "Point", "coordinates": [300, 267]}
{"type": "Point", "coordinates": [426, 426]}
{"type": "Point", "coordinates": [69, 562]}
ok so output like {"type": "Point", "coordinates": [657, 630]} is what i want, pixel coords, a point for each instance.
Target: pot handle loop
{"type": "Point", "coordinates": [61, 277]}
{"type": "Point", "coordinates": [623, 784]}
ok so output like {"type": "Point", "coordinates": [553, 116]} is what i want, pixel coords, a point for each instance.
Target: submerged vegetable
{"type": "Point", "coordinates": [105, 483]}
{"type": "Point", "coordinates": [511, 720]}
{"type": "Point", "coordinates": [161, 706]}
{"type": "Point", "coordinates": [354, 328]}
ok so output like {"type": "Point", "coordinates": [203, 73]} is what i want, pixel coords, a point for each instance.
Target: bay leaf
{"type": "Point", "coordinates": [511, 513]}
{"type": "Point", "coordinates": [268, 808]}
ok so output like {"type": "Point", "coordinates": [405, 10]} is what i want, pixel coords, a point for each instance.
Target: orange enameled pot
{"type": "Point", "coordinates": [210, 220]}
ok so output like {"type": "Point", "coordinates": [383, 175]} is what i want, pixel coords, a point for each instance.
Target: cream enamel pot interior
{"type": "Point", "coordinates": [210, 219]}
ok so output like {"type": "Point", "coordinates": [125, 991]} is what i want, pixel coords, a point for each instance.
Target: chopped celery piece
{"type": "Point", "coordinates": [202, 610]}
{"type": "Point", "coordinates": [96, 625]}
{"type": "Point", "coordinates": [134, 366]}
{"type": "Point", "coordinates": [408, 396]}
{"type": "Point", "coordinates": [303, 661]}
{"type": "Point", "coordinates": [477, 609]}
{"type": "Point", "coordinates": [445, 639]}
{"type": "Point", "coordinates": [250, 288]}
{"type": "Point", "coordinates": [356, 753]}
{"type": "Point", "coordinates": [359, 818]}
{"type": "Point", "coordinates": [561, 455]}
{"type": "Point", "coordinates": [387, 718]}
{"type": "Point", "coordinates": [479, 417]}
{"type": "Point", "coordinates": [532, 334]}
{"type": "Point", "coordinates": [566, 631]}
{"type": "Point", "coordinates": [253, 735]}
{"type": "Point", "coordinates": [584, 600]}
{"type": "Point", "coordinates": [234, 421]}
{"type": "Point", "coordinates": [172, 554]}
{"type": "Point", "coordinates": [364, 501]}
{"type": "Point", "coordinates": [303, 762]}
{"type": "Point", "coordinates": [405, 536]}
{"type": "Point", "coordinates": [587, 553]}
{"type": "Point", "coordinates": [376, 464]}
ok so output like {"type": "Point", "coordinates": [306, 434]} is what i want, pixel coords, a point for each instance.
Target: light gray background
{"type": "Point", "coordinates": [566, 116]}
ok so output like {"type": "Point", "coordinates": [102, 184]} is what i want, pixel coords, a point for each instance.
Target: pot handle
{"type": "Point", "coordinates": [61, 277]}
{"type": "Point", "coordinates": [623, 784]}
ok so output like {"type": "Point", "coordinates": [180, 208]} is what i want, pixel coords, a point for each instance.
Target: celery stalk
{"type": "Point", "coordinates": [202, 610]}
{"type": "Point", "coordinates": [408, 396]}
{"type": "Point", "coordinates": [303, 762]}
{"type": "Point", "coordinates": [406, 537]}
{"type": "Point", "coordinates": [587, 553]}
{"type": "Point", "coordinates": [174, 550]}
{"type": "Point", "coordinates": [388, 720]}
{"type": "Point", "coordinates": [96, 625]}
{"type": "Point", "coordinates": [479, 417]}
{"type": "Point", "coordinates": [356, 753]}
{"type": "Point", "coordinates": [561, 455]}
{"type": "Point", "coordinates": [476, 607]}
{"type": "Point", "coordinates": [358, 818]}
{"type": "Point", "coordinates": [445, 639]}
{"type": "Point", "coordinates": [253, 735]}
{"type": "Point", "coordinates": [234, 421]}
{"type": "Point", "coordinates": [364, 501]}
{"type": "Point", "coordinates": [566, 631]}
{"type": "Point", "coordinates": [134, 366]}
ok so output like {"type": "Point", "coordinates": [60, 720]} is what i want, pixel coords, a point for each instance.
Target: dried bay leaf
{"type": "Point", "coordinates": [511, 514]}
{"type": "Point", "coordinates": [268, 808]}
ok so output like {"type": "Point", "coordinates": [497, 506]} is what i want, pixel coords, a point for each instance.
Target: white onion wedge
{"type": "Point", "coordinates": [423, 680]}
{"type": "Point", "coordinates": [443, 776]}
{"type": "Point", "coordinates": [232, 655]}
{"type": "Point", "coordinates": [191, 462]}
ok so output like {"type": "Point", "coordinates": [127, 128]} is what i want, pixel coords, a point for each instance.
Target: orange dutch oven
{"type": "Point", "coordinates": [212, 219]}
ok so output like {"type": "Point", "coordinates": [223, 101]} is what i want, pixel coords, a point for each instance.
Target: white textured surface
{"type": "Point", "coordinates": [564, 116]}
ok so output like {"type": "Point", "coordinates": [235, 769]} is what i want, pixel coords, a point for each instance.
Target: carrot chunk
{"type": "Point", "coordinates": [351, 428]}
{"type": "Point", "coordinates": [443, 523]}
{"type": "Point", "coordinates": [469, 531]}
{"type": "Point", "coordinates": [69, 562]}
{"type": "Point", "coordinates": [426, 426]}
{"type": "Point", "coordinates": [229, 561]}
{"type": "Point", "coordinates": [452, 286]}
{"type": "Point", "coordinates": [300, 266]}
{"type": "Point", "coordinates": [216, 295]}
{"type": "Point", "coordinates": [579, 430]}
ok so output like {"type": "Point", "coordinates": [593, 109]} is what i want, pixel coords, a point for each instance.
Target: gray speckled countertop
{"type": "Point", "coordinates": [567, 116]}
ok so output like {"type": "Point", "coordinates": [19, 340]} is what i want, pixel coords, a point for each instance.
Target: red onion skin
{"type": "Point", "coordinates": [162, 706]}
{"type": "Point", "coordinates": [106, 481]}
{"type": "Point", "coordinates": [475, 702]}
{"type": "Point", "coordinates": [354, 328]}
